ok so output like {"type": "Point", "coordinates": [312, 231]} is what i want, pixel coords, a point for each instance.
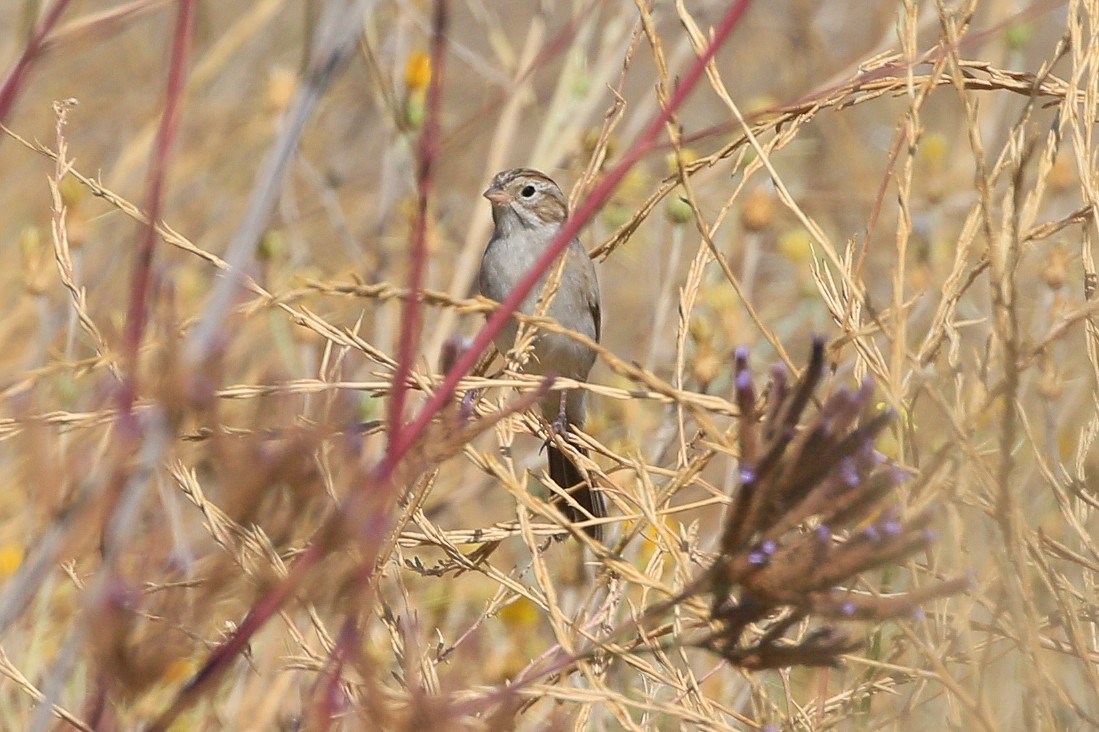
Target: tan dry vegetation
{"type": "Point", "coordinates": [915, 180]}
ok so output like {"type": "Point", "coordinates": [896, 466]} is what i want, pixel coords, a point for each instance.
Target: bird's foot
{"type": "Point", "coordinates": [559, 426]}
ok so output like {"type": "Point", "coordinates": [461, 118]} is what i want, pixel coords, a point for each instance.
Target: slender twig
{"type": "Point", "coordinates": [428, 149]}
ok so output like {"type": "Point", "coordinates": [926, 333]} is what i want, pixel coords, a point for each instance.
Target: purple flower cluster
{"type": "Point", "coordinates": [812, 513]}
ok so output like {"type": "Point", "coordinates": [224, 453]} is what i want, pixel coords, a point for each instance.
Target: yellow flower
{"type": "Point", "coordinates": [796, 245]}
{"type": "Point", "coordinates": [179, 670]}
{"type": "Point", "coordinates": [520, 614]}
{"type": "Point", "coordinates": [417, 76]}
{"type": "Point", "coordinates": [934, 149]}
{"type": "Point", "coordinates": [417, 71]}
{"type": "Point", "coordinates": [11, 556]}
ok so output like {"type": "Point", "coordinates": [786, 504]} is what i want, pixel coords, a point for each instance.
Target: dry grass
{"type": "Point", "coordinates": [219, 513]}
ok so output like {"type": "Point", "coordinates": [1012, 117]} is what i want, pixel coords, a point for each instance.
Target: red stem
{"type": "Point", "coordinates": [428, 149]}
{"type": "Point", "coordinates": [137, 312]}
{"type": "Point", "coordinates": [10, 88]}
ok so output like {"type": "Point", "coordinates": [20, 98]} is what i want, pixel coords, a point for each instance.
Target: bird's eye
{"type": "Point", "coordinates": [527, 191]}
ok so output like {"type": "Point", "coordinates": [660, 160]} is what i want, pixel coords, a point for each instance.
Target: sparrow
{"type": "Point", "coordinates": [528, 209]}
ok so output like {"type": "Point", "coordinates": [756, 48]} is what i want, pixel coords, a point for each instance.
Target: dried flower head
{"type": "Point", "coordinates": [811, 514]}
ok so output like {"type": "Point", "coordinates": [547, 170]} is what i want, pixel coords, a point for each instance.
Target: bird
{"type": "Point", "coordinates": [528, 209]}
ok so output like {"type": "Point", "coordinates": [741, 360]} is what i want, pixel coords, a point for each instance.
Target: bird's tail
{"type": "Point", "coordinates": [571, 480]}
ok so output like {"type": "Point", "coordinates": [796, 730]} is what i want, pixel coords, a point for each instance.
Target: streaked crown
{"type": "Point", "coordinates": [528, 194]}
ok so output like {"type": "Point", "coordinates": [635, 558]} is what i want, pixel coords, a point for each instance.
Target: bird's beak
{"type": "Point", "coordinates": [497, 195]}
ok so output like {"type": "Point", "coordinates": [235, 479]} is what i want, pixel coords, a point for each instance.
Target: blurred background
{"type": "Point", "coordinates": [919, 190]}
